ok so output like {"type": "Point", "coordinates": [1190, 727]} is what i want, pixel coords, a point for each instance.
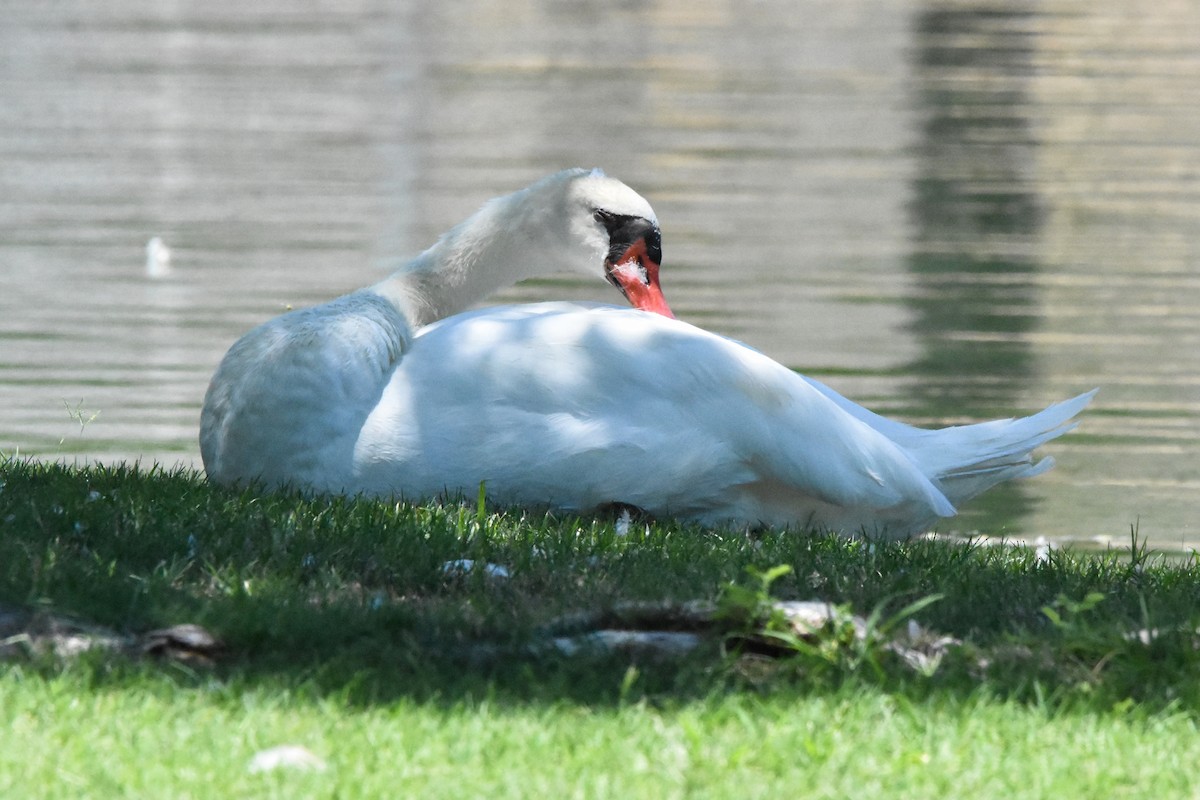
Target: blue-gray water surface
{"type": "Point", "coordinates": [947, 210]}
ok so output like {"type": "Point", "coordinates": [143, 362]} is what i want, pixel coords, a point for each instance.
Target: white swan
{"type": "Point", "coordinates": [577, 406]}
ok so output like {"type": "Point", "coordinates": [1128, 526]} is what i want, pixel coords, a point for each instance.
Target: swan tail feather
{"type": "Point", "coordinates": [967, 460]}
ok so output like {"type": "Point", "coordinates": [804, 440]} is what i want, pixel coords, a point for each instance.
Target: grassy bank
{"type": "Point", "coordinates": [344, 632]}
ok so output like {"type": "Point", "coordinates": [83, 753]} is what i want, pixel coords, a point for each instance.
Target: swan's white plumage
{"type": "Point", "coordinates": [288, 401]}
{"type": "Point", "coordinates": [576, 407]}
{"type": "Point", "coordinates": [573, 406]}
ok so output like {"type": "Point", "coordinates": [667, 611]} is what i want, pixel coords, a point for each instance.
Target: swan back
{"type": "Point", "coordinates": [287, 402]}
{"type": "Point", "coordinates": [587, 406]}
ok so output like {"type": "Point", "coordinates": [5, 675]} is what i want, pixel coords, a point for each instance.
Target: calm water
{"type": "Point", "coordinates": [946, 211]}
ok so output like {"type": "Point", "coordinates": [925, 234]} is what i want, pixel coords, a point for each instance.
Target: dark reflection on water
{"type": "Point", "coordinates": [975, 213]}
{"type": "Point", "coordinates": [947, 210]}
{"type": "Point", "coordinates": [974, 216]}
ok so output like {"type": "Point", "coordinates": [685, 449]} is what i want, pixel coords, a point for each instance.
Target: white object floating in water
{"type": "Point", "coordinates": [158, 258]}
{"type": "Point", "coordinates": [286, 756]}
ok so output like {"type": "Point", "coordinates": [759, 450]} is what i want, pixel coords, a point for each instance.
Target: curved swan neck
{"type": "Point", "coordinates": [518, 236]}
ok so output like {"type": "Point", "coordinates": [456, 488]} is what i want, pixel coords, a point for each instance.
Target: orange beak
{"type": "Point", "coordinates": [635, 273]}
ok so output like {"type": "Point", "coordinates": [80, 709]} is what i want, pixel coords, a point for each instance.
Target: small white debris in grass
{"type": "Point", "coordinates": [461, 566]}
{"type": "Point", "coordinates": [624, 522]}
{"type": "Point", "coordinates": [286, 756]}
{"type": "Point", "coordinates": [1041, 550]}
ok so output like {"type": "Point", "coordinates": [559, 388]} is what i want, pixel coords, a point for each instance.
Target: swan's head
{"type": "Point", "coordinates": [577, 219]}
{"type": "Point", "coordinates": [617, 232]}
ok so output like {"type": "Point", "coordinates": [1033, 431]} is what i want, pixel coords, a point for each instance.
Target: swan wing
{"type": "Point", "coordinates": [286, 405]}
{"type": "Point", "coordinates": [579, 406]}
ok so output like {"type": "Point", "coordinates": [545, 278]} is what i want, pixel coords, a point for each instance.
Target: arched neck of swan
{"type": "Point", "coordinates": [510, 239]}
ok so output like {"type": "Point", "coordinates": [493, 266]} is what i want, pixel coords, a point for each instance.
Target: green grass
{"type": "Point", "coordinates": [156, 739]}
{"type": "Point", "coordinates": [345, 635]}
